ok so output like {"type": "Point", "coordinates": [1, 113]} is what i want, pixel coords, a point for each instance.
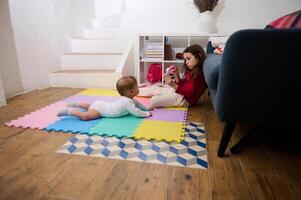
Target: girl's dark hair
{"type": "Point", "coordinates": [198, 52]}
{"type": "Point", "coordinates": [125, 83]}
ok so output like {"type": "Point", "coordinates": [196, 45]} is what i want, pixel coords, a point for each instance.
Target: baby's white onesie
{"type": "Point", "coordinates": [120, 107]}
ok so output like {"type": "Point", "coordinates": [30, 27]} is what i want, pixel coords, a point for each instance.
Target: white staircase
{"type": "Point", "coordinates": [96, 45]}
{"type": "Point", "coordinates": [98, 59]}
{"type": "Point", "coordinates": [113, 21]}
{"type": "Point", "coordinates": [86, 60]}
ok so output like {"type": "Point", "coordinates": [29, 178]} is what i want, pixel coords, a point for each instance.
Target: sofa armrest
{"type": "Point", "coordinates": [211, 69]}
{"type": "Point", "coordinates": [259, 79]}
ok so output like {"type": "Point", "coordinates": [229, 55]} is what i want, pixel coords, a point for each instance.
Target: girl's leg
{"type": "Point", "coordinates": [154, 90]}
{"type": "Point", "coordinates": [168, 100]}
{"type": "Point", "coordinates": [88, 115]}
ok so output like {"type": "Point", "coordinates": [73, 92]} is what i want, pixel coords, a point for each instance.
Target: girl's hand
{"type": "Point", "coordinates": [168, 79]}
{"type": "Point", "coordinates": [176, 71]}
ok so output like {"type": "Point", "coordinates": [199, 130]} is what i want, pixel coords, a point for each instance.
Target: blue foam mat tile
{"type": "Point", "coordinates": [72, 124]}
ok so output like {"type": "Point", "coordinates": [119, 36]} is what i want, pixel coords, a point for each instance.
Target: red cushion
{"type": "Point", "coordinates": [292, 20]}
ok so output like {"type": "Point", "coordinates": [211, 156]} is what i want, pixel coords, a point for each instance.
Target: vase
{"type": "Point", "coordinates": [206, 22]}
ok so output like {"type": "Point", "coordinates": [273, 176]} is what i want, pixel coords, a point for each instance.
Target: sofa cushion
{"type": "Point", "coordinates": [292, 20]}
{"type": "Point", "coordinates": [211, 69]}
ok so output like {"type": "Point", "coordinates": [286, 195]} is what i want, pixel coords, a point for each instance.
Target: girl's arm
{"type": "Point", "coordinates": [186, 89]}
{"type": "Point", "coordinates": [189, 87]}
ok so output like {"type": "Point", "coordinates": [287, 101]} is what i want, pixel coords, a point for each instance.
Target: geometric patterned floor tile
{"type": "Point", "coordinates": [191, 152]}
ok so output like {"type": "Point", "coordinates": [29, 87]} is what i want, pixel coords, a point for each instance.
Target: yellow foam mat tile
{"type": "Point", "coordinates": [160, 130]}
{"type": "Point", "coordinates": [176, 108]}
{"type": "Point", "coordinates": [99, 92]}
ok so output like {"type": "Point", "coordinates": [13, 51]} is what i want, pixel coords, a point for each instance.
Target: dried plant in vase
{"type": "Point", "coordinates": [205, 5]}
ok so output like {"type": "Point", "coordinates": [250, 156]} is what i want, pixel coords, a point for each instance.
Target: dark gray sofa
{"type": "Point", "coordinates": [257, 80]}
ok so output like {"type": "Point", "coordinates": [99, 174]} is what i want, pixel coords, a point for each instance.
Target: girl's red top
{"type": "Point", "coordinates": [192, 88]}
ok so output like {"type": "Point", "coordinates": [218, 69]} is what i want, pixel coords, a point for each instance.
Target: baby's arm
{"type": "Point", "coordinates": [131, 108]}
{"type": "Point", "coordinates": [141, 106]}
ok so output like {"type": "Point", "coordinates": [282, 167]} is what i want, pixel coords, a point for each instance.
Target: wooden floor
{"type": "Point", "coordinates": [31, 169]}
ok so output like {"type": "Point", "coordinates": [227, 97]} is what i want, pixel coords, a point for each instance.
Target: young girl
{"type": "Point", "coordinates": [185, 91]}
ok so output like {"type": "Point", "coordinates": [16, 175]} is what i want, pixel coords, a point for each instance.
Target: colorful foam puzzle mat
{"type": "Point", "coordinates": [166, 124]}
{"type": "Point", "coordinates": [191, 152]}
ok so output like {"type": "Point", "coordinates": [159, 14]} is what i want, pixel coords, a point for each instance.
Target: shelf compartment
{"type": "Point", "coordinates": [174, 61]}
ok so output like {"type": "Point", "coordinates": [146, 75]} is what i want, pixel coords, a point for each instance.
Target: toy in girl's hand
{"type": "Point", "coordinates": [171, 70]}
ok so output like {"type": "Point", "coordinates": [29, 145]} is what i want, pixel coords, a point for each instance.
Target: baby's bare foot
{"type": "Point", "coordinates": [65, 112]}
{"type": "Point", "coordinates": [73, 105]}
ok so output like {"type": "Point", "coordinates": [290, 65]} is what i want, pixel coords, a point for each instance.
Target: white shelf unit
{"type": "Point", "coordinates": [178, 44]}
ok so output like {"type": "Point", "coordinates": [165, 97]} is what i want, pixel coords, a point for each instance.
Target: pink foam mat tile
{"type": "Point", "coordinates": [168, 115]}
{"type": "Point", "coordinates": [39, 119]}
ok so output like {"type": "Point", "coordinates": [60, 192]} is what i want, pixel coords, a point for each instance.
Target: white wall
{"type": "Point", "coordinates": [82, 13]}
{"type": "Point", "coordinates": [2, 96]}
{"type": "Point", "coordinates": [42, 30]}
{"type": "Point", "coordinates": [242, 14]}
{"type": "Point", "coordinates": [181, 16]}
{"type": "Point", "coordinates": [157, 16]}
{"type": "Point", "coordinates": [9, 68]}
{"type": "Point", "coordinates": [105, 8]}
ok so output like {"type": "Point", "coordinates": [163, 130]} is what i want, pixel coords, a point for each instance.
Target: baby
{"type": "Point", "coordinates": [127, 87]}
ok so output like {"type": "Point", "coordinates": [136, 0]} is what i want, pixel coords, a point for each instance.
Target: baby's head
{"type": "Point", "coordinates": [127, 86]}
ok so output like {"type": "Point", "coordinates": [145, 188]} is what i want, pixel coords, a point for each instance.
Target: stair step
{"type": "Point", "coordinates": [83, 38]}
{"type": "Point", "coordinates": [107, 9]}
{"type": "Point", "coordinates": [90, 60]}
{"type": "Point", "coordinates": [85, 78]}
{"type": "Point", "coordinates": [102, 33]}
{"type": "Point", "coordinates": [113, 21]}
{"type": "Point", "coordinates": [96, 45]}
{"type": "Point", "coordinates": [85, 71]}
{"type": "Point", "coordinates": [94, 53]}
